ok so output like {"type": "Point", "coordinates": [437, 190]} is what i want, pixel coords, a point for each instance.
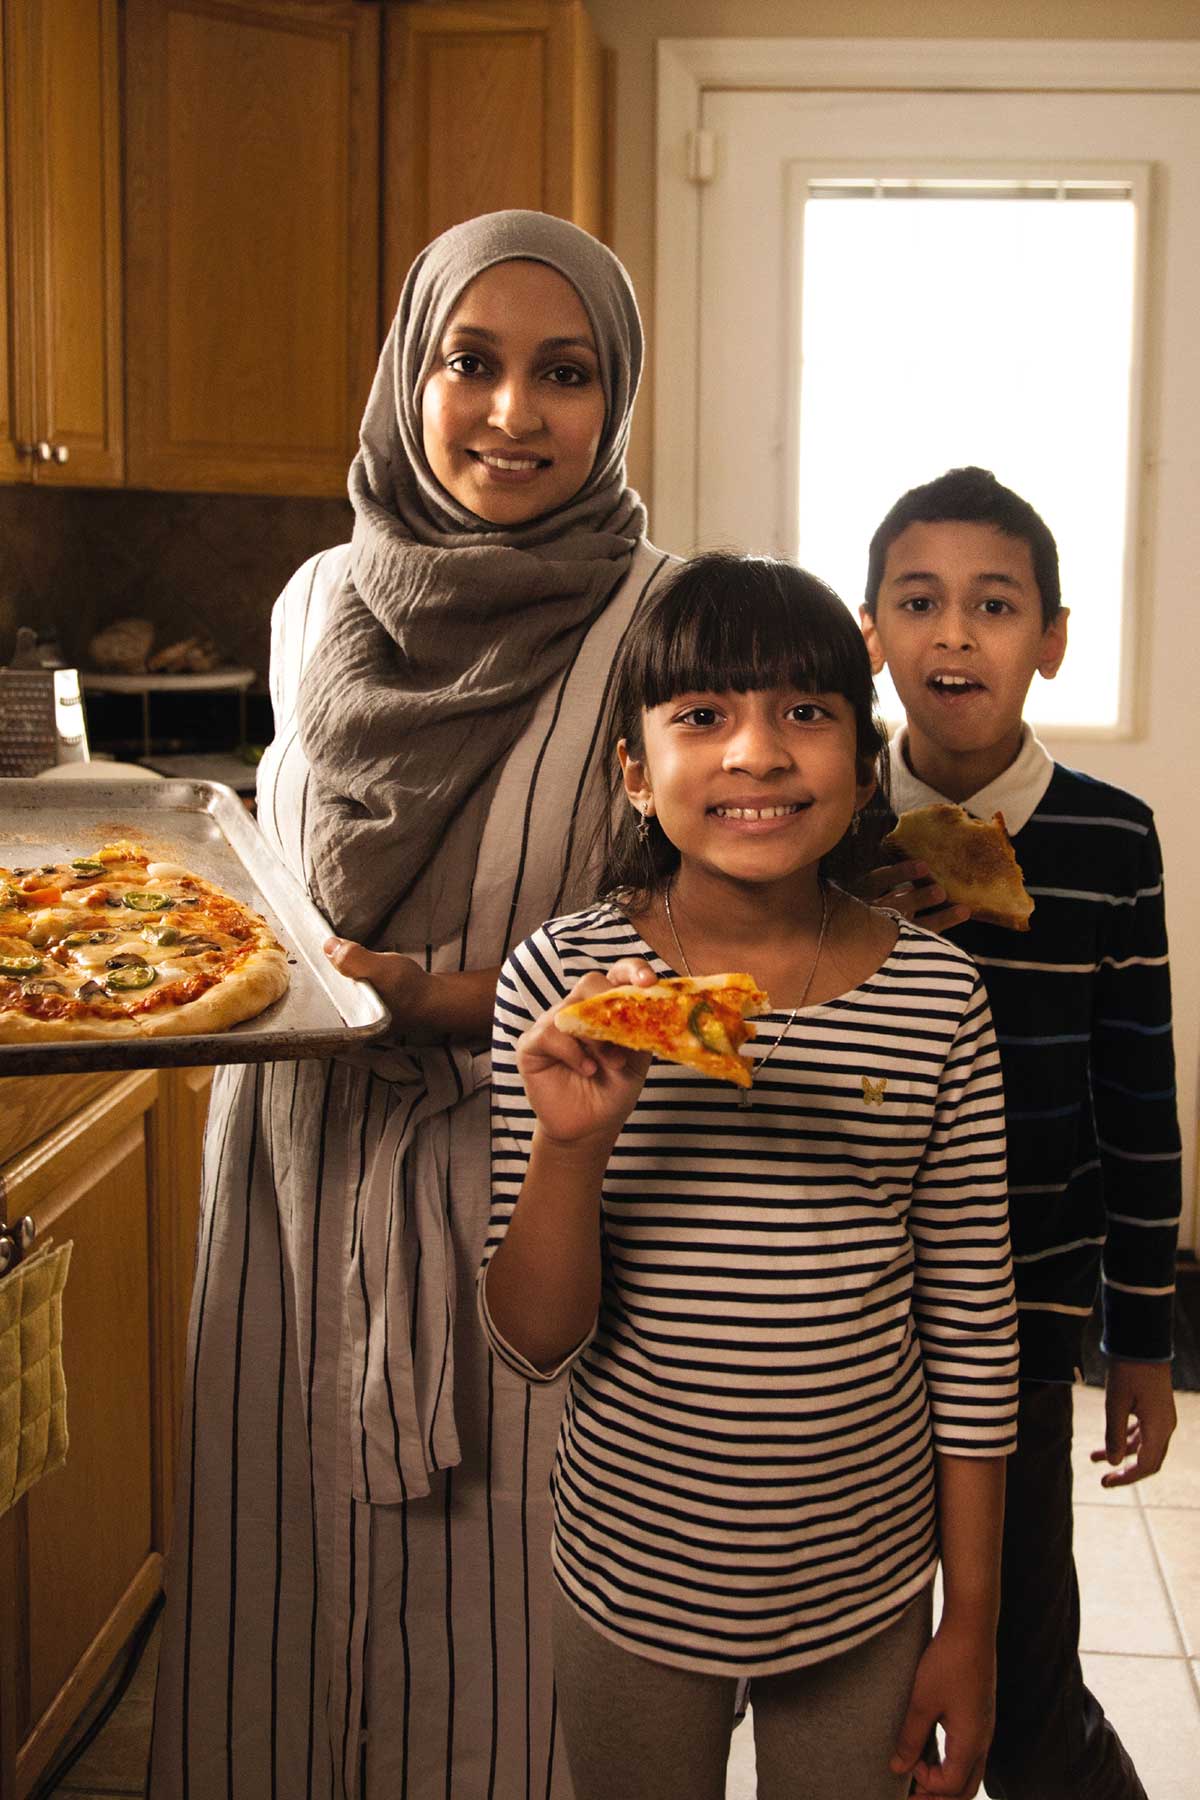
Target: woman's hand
{"type": "Point", "coordinates": [955, 1686]}
{"type": "Point", "coordinates": [910, 889]}
{"type": "Point", "coordinates": [583, 1091]}
{"type": "Point", "coordinates": [455, 1004]}
{"type": "Point", "coordinates": [401, 983]}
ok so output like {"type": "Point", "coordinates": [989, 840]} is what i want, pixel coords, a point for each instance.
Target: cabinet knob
{"type": "Point", "coordinates": [47, 452]}
{"type": "Point", "coordinates": [26, 449]}
{"type": "Point", "coordinates": [60, 453]}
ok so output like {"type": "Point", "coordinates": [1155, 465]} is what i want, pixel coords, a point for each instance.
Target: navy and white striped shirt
{"type": "Point", "coordinates": [1082, 1008]}
{"type": "Point", "coordinates": [800, 1302]}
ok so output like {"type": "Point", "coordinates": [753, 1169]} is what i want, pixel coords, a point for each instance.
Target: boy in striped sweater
{"type": "Point", "coordinates": [963, 605]}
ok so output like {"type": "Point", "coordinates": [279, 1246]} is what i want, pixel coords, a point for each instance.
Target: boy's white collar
{"type": "Point", "coordinates": [1016, 793]}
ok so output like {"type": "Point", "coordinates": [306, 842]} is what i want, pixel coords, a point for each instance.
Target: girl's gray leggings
{"type": "Point", "coordinates": [639, 1730]}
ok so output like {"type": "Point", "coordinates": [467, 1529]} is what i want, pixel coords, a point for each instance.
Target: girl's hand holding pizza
{"type": "Point", "coordinates": [583, 1091]}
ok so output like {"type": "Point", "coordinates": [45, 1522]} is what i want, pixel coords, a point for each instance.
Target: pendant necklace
{"type": "Point", "coordinates": [744, 1095]}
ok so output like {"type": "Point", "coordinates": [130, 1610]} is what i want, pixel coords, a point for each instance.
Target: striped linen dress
{"type": "Point", "coordinates": [800, 1303]}
{"type": "Point", "coordinates": [358, 1590]}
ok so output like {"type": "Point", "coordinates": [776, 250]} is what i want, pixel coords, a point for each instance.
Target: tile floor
{"type": "Point", "coordinates": [1138, 1551]}
{"type": "Point", "coordinates": [1138, 1554]}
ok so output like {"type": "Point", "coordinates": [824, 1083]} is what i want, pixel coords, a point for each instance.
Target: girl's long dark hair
{"type": "Point", "coordinates": [726, 623]}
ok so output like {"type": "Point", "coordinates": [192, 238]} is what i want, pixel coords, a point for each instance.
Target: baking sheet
{"type": "Point", "coordinates": [204, 826]}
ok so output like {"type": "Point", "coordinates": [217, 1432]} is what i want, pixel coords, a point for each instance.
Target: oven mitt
{"type": "Point", "coordinates": [33, 1391]}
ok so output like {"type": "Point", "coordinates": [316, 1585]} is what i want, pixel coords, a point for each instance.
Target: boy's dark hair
{"type": "Point", "coordinates": [734, 623]}
{"type": "Point", "coordinates": [974, 497]}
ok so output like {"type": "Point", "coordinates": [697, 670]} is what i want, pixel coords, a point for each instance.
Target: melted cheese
{"type": "Point", "coordinates": [94, 956]}
{"type": "Point", "coordinates": [169, 971]}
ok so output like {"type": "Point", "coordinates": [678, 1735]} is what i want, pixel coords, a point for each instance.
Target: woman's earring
{"type": "Point", "coordinates": [643, 826]}
{"type": "Point", "coordinates": [855, 822]}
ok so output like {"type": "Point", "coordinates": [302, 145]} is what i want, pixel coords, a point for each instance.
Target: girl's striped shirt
{"type": "Point", "coordinates": [801, 1302]}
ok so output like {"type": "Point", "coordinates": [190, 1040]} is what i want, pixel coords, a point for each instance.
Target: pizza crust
{"type": "Point", "coordinates": [237, 996]}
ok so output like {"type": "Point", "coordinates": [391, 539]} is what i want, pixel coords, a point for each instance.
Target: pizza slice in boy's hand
{"type": "Point", "coordinates": [700, 1021]}
{"type": "Point", "coordinates": [972, 860]}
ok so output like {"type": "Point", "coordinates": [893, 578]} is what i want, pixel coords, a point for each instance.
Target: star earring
{"type": "Point", "coordinates": [643, 824]}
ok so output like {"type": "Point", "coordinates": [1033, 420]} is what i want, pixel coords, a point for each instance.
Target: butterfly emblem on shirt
{"type": "Point", "coordinates": [873, 1090]}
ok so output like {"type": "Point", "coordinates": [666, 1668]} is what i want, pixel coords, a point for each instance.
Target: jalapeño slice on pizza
{"type": "Point", "coordinates": [699, 1021]}
{"type": "Point", "coordinates": [112, 945]}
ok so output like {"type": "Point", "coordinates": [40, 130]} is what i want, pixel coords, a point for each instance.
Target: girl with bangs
{"type": "Point", "coordinates": [786, 1311]}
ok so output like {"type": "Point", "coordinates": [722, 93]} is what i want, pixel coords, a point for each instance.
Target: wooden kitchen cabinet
{"type": "Point", "coordinates": [61, 384]}
{"type": "Point", "coordinates": [223, 182]}
{"type": "Point", "coordinates": [489, 106]}
{"type": "Point", "coordinates": [119, 1175]}
{"type": "Point", "coordinates": [252, 241]}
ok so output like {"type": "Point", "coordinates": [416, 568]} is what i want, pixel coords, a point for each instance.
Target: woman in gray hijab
{"type": "Point", "coordinates": [358, 1593]}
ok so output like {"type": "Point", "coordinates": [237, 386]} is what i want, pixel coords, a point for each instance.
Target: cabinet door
{"type": "Point", "coordinates": [120, 1177]}
{"type": "Point", "coordinates": [488, 106]}
{"type": "Point", "coordinates": [93, 1543]}
{"type": "Point", "coordinates": [16, 426]}
{"type": "Point", "coordinates": [252, 226]}
{"type": "Point", "coordinates": [64, 185]}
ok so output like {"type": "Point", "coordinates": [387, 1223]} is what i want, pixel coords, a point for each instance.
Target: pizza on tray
{"type": "Point", "coordinates": [973, 859]}
{"type": "Point", "coordinates": [117, 947]}
{"type": "Point", "coordinates": [697, 1020]}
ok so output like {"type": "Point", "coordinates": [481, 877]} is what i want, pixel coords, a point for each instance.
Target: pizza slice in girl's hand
{"type": "Point", "coordinates": [697, 1020]}
{"type": "Point", "coordinates": [972, 859]}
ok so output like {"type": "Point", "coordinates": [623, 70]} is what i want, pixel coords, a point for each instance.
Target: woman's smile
{"type": "Point", "coordinates": [510, 469]}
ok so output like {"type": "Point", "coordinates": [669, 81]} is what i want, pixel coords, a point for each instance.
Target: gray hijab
{"type": "Point", "coordinates": [448, 629]}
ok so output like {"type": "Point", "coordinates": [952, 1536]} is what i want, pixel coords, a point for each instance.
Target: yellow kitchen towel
{"type": "Point", "coordinates": [33, 1391]}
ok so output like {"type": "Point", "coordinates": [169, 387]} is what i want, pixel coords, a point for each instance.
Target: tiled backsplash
{"type": "Point", "coordinates": [194, 564]}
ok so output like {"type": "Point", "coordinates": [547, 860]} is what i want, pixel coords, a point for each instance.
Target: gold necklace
{"type": "Point", "coordinates": [744, 1097]}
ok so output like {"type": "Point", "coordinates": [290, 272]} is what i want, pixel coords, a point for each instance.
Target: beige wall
{"type": "Point", "coordinates": [631, 28]}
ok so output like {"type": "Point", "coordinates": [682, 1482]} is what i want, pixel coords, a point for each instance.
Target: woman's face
{"type": "Point", "coordinates": [513, 409]}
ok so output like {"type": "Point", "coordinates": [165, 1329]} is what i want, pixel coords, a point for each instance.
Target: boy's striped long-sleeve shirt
{"type": "Point", "coordinates": [1082, 1009]}
{"type": "Point", "coordinates": [800, 1303]}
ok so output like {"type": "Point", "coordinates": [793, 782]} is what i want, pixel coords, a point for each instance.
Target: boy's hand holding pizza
{"type": "Point", "coordinates": [909, 888]}
{"type": "Point", "coordinates": [958, 868]}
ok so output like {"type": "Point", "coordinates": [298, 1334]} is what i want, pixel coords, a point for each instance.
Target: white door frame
{"type": "Point", "coordinates": [689, 66]}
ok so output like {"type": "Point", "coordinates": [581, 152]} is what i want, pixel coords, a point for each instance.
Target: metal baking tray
{"type": "Point", "coordinates": [203, 825]}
